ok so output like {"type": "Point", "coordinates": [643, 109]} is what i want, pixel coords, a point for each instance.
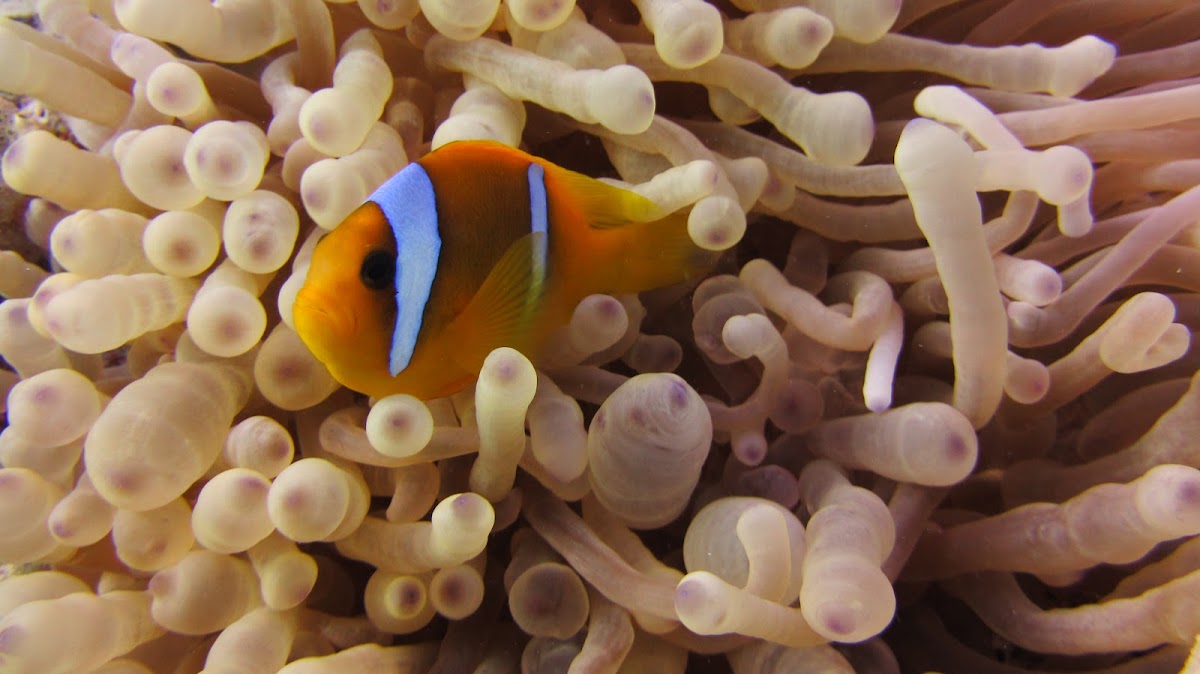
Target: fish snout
{"type": "Point", "coordinates": [319, 318]}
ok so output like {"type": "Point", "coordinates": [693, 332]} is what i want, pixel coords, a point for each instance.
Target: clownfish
{"type": "Point", "coordinates": [475, 246]}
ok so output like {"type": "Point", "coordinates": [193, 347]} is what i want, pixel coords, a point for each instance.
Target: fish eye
{"type": "Point", "coordinates": [378, 270]}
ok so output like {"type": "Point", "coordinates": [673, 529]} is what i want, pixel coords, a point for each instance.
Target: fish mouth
{"type": "Point", "coordinates": [316, 318]}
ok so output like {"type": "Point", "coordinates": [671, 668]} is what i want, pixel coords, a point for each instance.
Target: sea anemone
{"type": "Point", "coordinates": [934, 408]}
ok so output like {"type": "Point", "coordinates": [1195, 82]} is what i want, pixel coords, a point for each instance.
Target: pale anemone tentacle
{"type": "Point", "coordinates": [945, 338]}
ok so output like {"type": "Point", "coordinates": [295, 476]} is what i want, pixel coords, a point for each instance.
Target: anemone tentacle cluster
{"type": "Point", "coordinates": [934, 409]}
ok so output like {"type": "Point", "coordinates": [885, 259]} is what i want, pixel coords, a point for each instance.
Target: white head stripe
{"type": "Point", "coordinates": [408, 202]}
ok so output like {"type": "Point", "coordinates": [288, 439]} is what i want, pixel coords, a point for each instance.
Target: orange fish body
{"type": "Point", "coordinates": [475, 246]}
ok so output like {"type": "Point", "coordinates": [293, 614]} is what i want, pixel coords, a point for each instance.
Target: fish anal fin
{"type": "Point", "coordinates": [502, 311]}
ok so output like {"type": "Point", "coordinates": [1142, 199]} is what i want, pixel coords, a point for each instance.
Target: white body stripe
{"type": "Point", "coordinates": [407, 200]}
{"type": "Point", "coordinates": [539, 224]}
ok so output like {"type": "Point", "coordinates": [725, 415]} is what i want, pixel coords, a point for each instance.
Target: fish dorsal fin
{"type": "Point", "coordinates": [656, 248]}
{"type": "Point", "coordinates": [604, 206]}
{"type": "Point", "coordinates": [502, 310]}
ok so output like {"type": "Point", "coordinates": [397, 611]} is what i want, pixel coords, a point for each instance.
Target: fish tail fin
{"type": "Point", "coordinates": [659, 253]}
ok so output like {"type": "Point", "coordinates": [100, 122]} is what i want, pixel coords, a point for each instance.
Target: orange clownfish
{"type": "Point", "coordinates": [472, 247]}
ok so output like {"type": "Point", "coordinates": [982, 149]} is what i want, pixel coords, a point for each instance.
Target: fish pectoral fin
{"type": "Point", "coordinates": [502, 310]}
{"type": "Point", "coordinates": [605, 206]}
